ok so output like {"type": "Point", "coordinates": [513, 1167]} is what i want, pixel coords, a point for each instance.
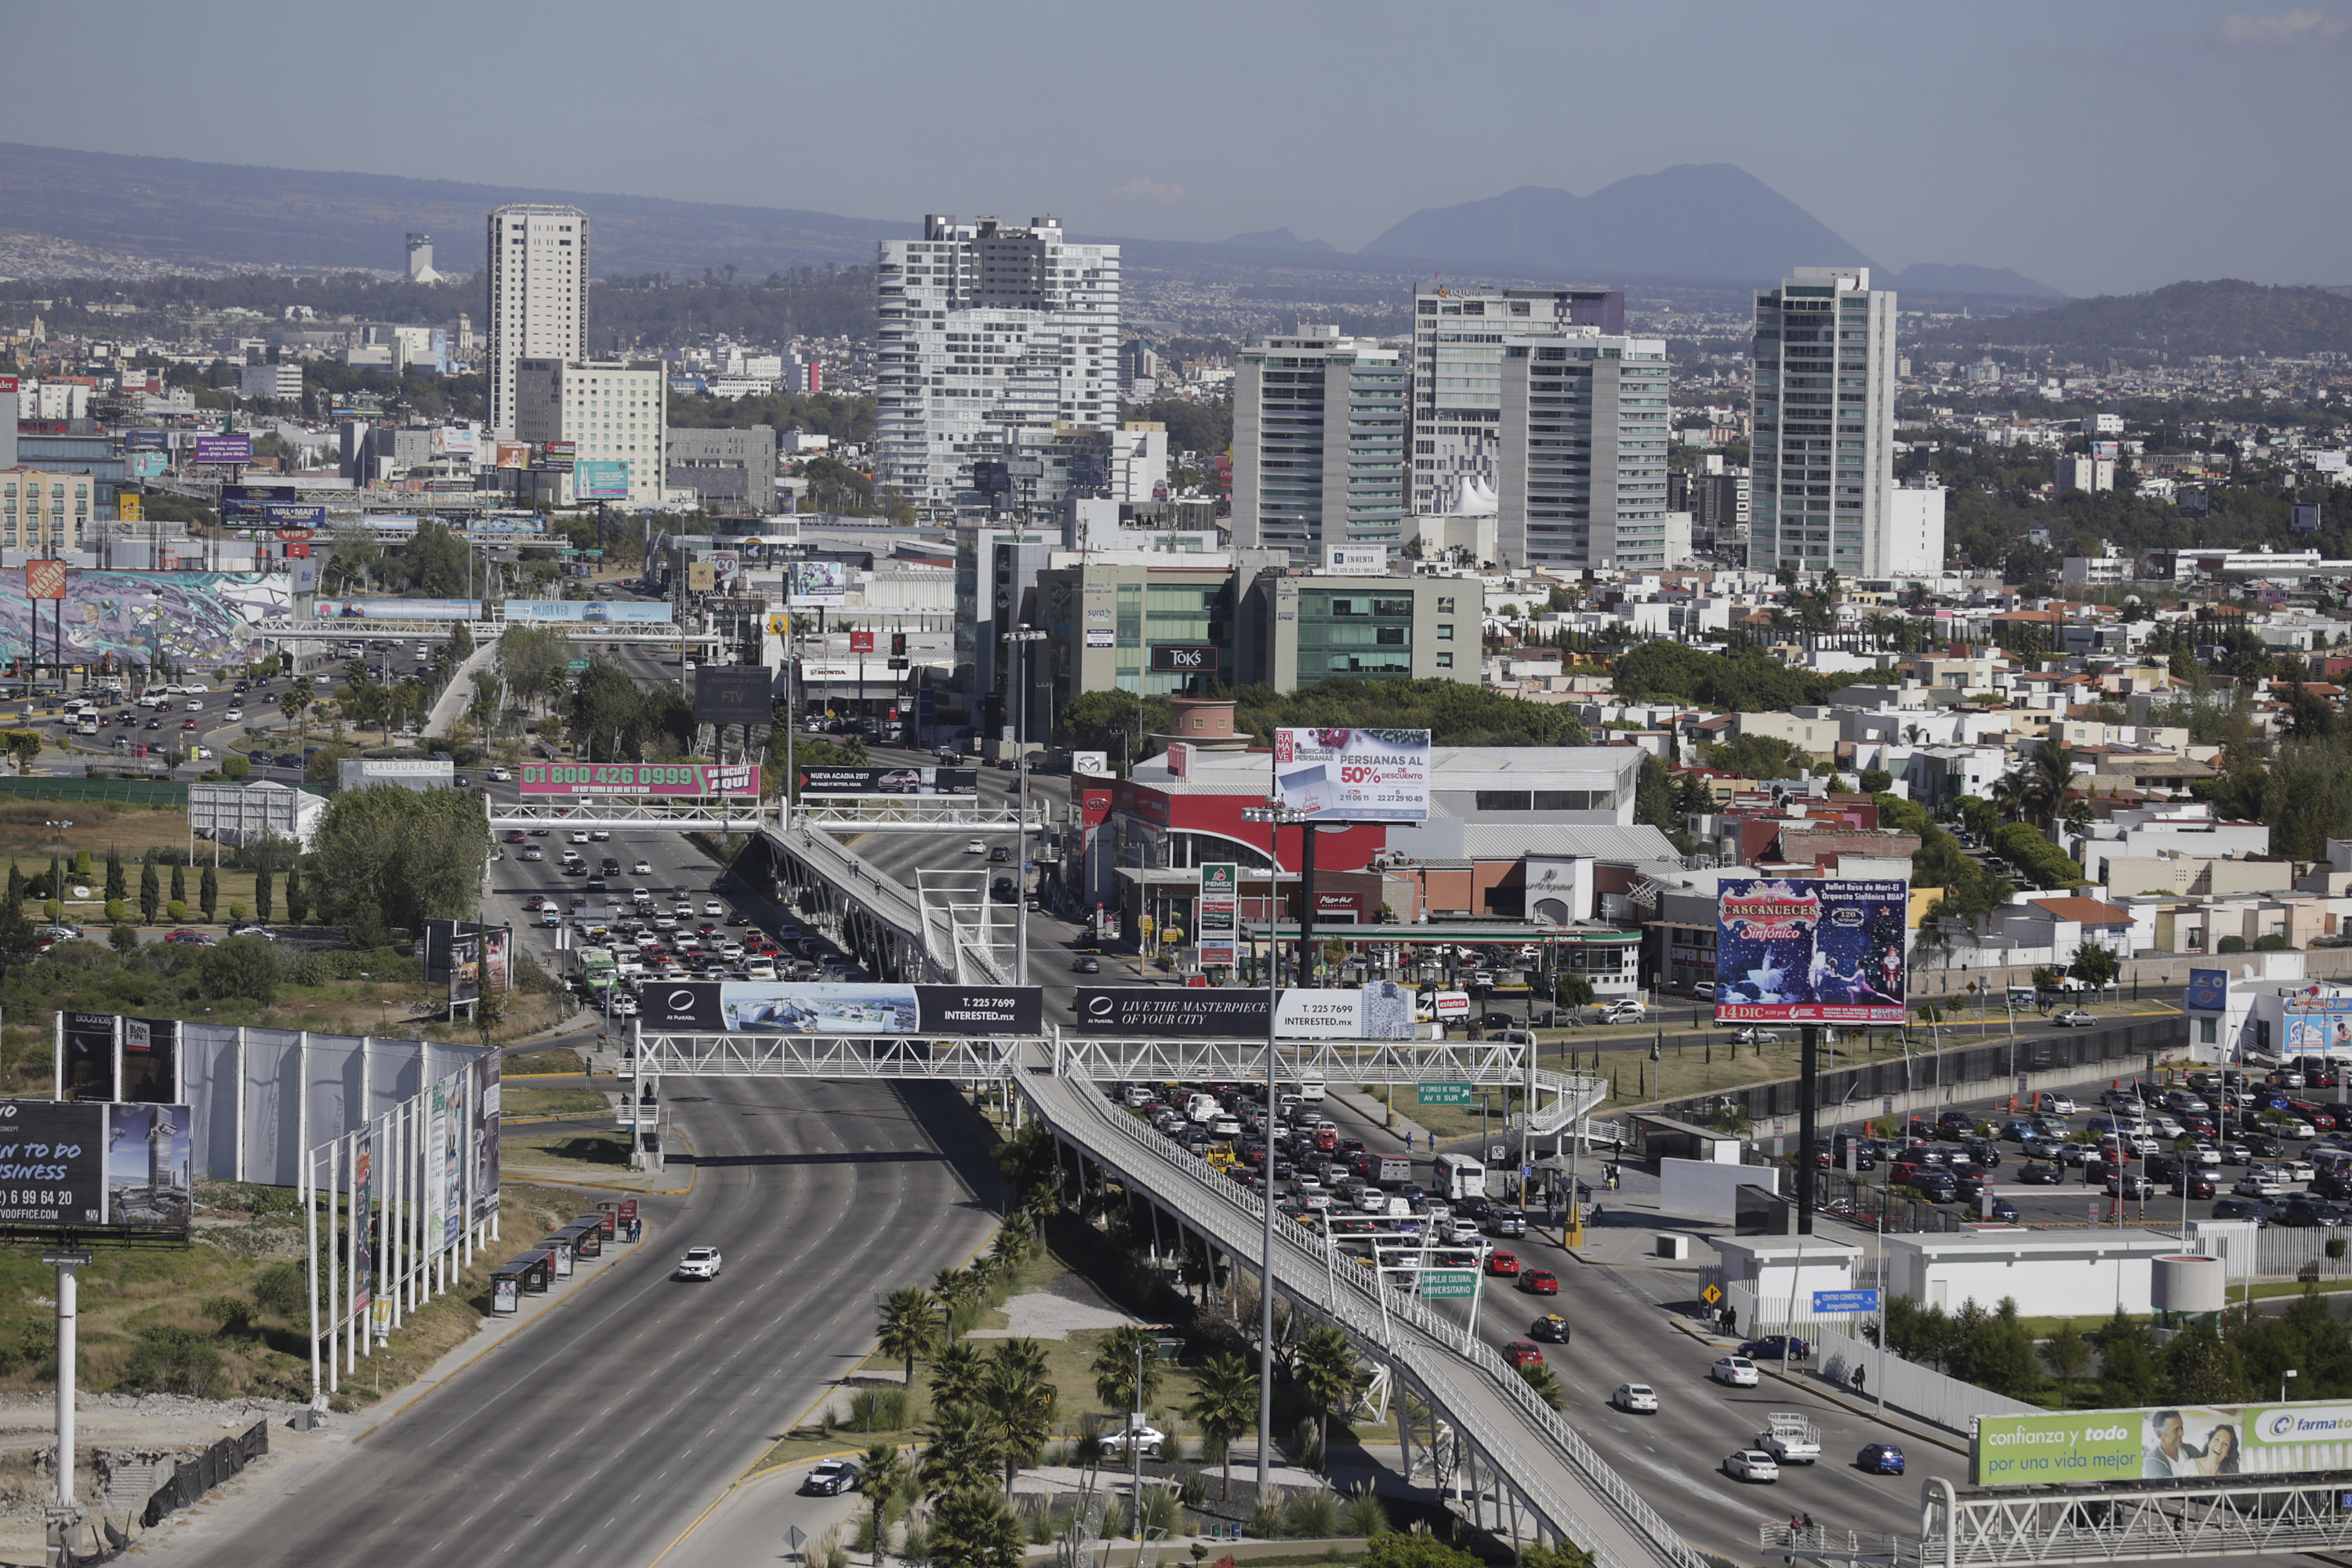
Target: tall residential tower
{"type": "Point", "coordinates": [1457, 352]}
{"type": "Point", "coordinates": [983, 328]}
{"type": "Point", "coordinates": [537, 276]}
{"type": "Point", "coordinates": [1319, 443]}
{"type": "Point", "coordinates": [1580, 469]}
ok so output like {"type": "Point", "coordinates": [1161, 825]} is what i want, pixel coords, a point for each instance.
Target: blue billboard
{"type": "Point", "coordinates": [1804, 950]}
{"type": "Point", "coordinates": [2209, 990]}
{"type": "Point", "coordinates": [600, 480]}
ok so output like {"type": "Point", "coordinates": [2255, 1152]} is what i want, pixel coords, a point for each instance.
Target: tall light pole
{"type": "Point", "coordinates": [1024, 636]}
{"type": "Point", "coordinates": [1275, 818]}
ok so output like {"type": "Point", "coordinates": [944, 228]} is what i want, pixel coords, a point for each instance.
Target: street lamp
{"type": "Point", "coordinates": [1021, 637]}
{"type": "Point", "coordinates": [1277, 818]}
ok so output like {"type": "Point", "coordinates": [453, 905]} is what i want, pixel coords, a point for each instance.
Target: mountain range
{"type": "Point", "coordinates": [1695, 221]}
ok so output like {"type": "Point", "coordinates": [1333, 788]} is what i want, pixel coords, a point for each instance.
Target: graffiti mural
{"type": "Point", "coordinates": [196, 618]}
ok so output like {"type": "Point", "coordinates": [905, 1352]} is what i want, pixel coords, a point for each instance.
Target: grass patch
{"type": "Point", "coordinates": [520, 1099]}
{"type": "Point", "coordinates": [538, 1062]}
{"type": "Point", "coordinates": [580, 1155]}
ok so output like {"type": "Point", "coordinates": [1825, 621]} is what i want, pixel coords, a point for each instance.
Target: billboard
{"type": "Point", "coordinates": [513, 454]}
{"type": "Point", "coordinates": [557, 456]}
{"type": "Point", "coordinates": [2209, 990]}
{"type": "Point", "coordinates": [638, 778]}
{"type": "Point", "coordinates": [465, 970]}
{"type": "Point", "coordinates": [482, 1141]}
{"type": "Point", "coordinates": [744, 694]}
{"type": "Point", "coordinates": [294, 514]}
{"type": "Point", "coordinates": [600, 480]}
{"type": "Point", "coordinates": [2160, 1443]}
{"type": "Point", "coordinates": [593, 612]}
{"type": "Point", "coordinates": [45, 579]}
{"type": "Point", "coordinates": [151, 1066]}
{"type": "Point", "coordinates": [397, 609]}
{"type": "Point", "coordinates": [1214, 910]}
{"type": "Point", "coordinates": [71, 1166]}
{"type": "Point", "coordinates": [1184, 658]}
{"type": "Point", "coordinates": [889, 781]}
{"type": "Point", "coordinates": [765, 1008]}
{"type": "Point", "coordinates": [497, 960]}
{"type": "Point", "coordinates": [439, 1221]}
{"type": "Point", "coordinates": [861, 642]}
{"type": "Point", "coordinates": [133, 440]}
{"type": "Point", "coordinates": [224, 450]}
{"type": "Point", "coordinates": [1806, 950]}
{"type": "Point", "coordinates": [1353, 775]}
{"type": "Point", "coordinates": [1380, 1010]}
{"type": "Point", "coordinates": [2318, 1025]}
{"type": "Point", "coordinates": [90, 1056]}
{"type": "Point", "coordinates": [810, 584]}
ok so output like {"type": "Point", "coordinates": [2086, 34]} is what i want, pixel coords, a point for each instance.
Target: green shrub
{"type": "Point", "coordinates": [234, 1314]}
{"type": "Point", "coordinates": [1363, 1514]}
{"type": "Point", "coordinates": [1161, 1512]}
{"type": "Point", "coordinates": [1266, 1523]}
{"type": "Point", "coordinates": [173, 1360]}
{"type": "Point", "coordinates": [285, 1289]}
{"type": "Point", "coordinates": [1312, 1516]}
{"type": "Point", "coordinates": [1194, 1489]}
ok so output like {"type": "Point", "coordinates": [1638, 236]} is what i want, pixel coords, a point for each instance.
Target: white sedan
{"type": "Point", "coordinates": [699, 1263]}
{"type": "Point", "coordinates": [1148, 1439]}
{"type": "Point", "coordinates": [576, 836]}
{"type": "Point", "coordinates": [976, 846]}
{"type": "Point", "coordinates": [1751, 1465]}
{"type": "Point", "coordinates": [1635, 1397]}
{"type": "Point", "coordinates": [196, 707]}
{"type": "Point", "coordinates": [1736, 1370]}
{"type": "Point", "coordinates": [235, 715]}
{"type": "Point", "coordinates": [713, 909]}
{"type": "Point", "coordinates": [642, 868]}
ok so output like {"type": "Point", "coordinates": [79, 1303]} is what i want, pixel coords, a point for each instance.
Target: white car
{"type": "Point", "coordinates": [1751, 1465]}
{"type": "Point", "coordinates": [1148, 1439]}
{"type": "Point", "coordinates": [713, 909]}
{"type": "Point", "coordinates": [976, 846]}
{"type": "Point", "coordinates": [234, 716]}
{"type": "Point", "coordinates": [1760, 1037]}
{"type": "Point", "coordinates": [501, 775]}
{"type": "Point", "coordinates": [699, 1263]}
{"type": "Point", "coordinates": [1736, 1370]}
{"type": "Point", "coordinates": [2294, 1127]}
{"type": "Point", "coordinates": [1624, 1010]}
{"type": "Point", "coordinates": [642, 868]}
{"type": "Point", "coordinates": [196, 706]}
{"type": "Point", "coordinates": [2297, 1171]}
{"type": "Point", "coordinates": [2058, 1105]}
{"type": "Point", "coordinates": [1638, 1396]}
{"type": "Point", "coordinates": [577, 835]}
{"type": "Point", "coordinates": [601, 834]}
{"type": "Point", "coordinates": [665, 922]}
{"type": "Point", "coordinates": [2074, 1019]}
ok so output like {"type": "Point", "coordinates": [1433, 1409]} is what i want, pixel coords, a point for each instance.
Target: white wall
{"type": "Point", "coordinates": [1694, 1189]}
{"type": "Point", "coordinates": [2088, 1280]}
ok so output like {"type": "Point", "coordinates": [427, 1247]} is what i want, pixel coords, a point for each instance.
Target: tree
{"type": "Point", "coordinates": [389, 858]}
{"type": "Point", "coordinates": [1996, 1351]}
{"type": "Point", "coordinates": [207, 893]}
{"type": "Point", "coordinates": [296, 702]}
{"type": "Point", "coordinates": [881, 1473]}
{"type": "Point", "coordinates": [956, 1370]}
{"type": "Point", "coordinates": [957, 1454]}
{"type": "Point", "coordinates": [2203, 1368]}
{"type": "Point", "coordinates": [117, 890]}
{"type": "Point", "coordinates": [1876, 781]}
{"type": "Point", "coordinates": [243, 968]}
{"type": "Point", "coordinates": [1325, 1368]}
{"type": "Point", "coordinates": [911, 1326]}
{"type": "Point", "coordinates": [264, 901]}
{"type": "Point", "coordinates": [2048, 772]}
{"type": "Point", "coordinates": [1759, 757]}
{"type": "Point", "coordinates": [297, 904]}
{"type": "Point", "coordinates": [178, 884]}
{"type": "Point", "coordinates": [2096, 965]}
{"type": "Point", "coordinates": [1408, 1549]}
{"type": "Point", "coordinates": [151, 894]}
{"type": "Point", "coordinates": [1127, 1368]}
{"type": "Point", "coordinates": [973, 1527]}
{"type": "Point", "coordinates": [1545, 1382]}
{"type": "Point", "coordinates": [2306, 797]}
{"type": "Point", "coordinates": [2067, 1354]}
{"type": "Point", "coordinates": [1225, 1405]}
{"type": "Point", "coordinates": [2128, 1369]}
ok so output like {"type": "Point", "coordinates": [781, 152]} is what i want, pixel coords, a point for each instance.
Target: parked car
{"type": "Point", "coordinates": [1777, 1347]}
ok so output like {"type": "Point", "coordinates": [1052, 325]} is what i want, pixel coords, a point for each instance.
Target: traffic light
{"type": "Point", "coordinates": [898, 645]}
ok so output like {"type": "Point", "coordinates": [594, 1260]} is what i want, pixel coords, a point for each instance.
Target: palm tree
{"type": "Point", "coordinates": [973, 1528]}
{"type": "Point", "coordinates": [1117, 1381]}
{"type": "Point", "coordinates": [956, 1373]}
{"type": "Point", "coordinates": [1016, 1240]}
{"type": "Point", "coordinates": [951, 1288]}
{"type": "Point", "coordinates": [1025, 1358]}
{"type": "Point", "coordinates": [911, 1326]}
{"type": "Point", "coordinates": [957, 1454]}
{"type": "Point", "coordinates": [1325, 1367]}
{"type": "Point", "coordinates": [1016, 1412]}
{"type": "Point", "coordinates": [2048, 772]}
{"type": "Point", "coordinates": [1223, 1406]}
{"type": "Point", "coordinates": [1546, 1384]}
{"type": "Point", "coordinates": [880, 1474]}
{"type": "Point", "coordinates": [2011, 796]}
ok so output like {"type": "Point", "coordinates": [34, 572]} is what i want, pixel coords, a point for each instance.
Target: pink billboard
{"type": "Point", "coordinates": [638, 778]}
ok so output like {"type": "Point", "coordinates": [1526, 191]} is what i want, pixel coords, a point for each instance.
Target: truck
{"type": "Point", "coordinates": [1791, 1438]}
{"type": "Point", "coordinates": [1392, 1170]}
{"type": "Point", "coordinates": [1459, 1176]}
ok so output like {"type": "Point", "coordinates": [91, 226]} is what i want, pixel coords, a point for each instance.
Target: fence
{"type": "Point", "coordinates": [122, 792]}
{"type": "Point", "coordinates": [190, 1480]}
{"type": "Point", "coordinates": [1905, 1385]}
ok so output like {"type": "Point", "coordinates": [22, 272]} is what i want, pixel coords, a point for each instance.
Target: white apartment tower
{"type": "Point", "coordinates": [1581, 466]}
{"type": "Point", "coordinates": [1457, 352]}
{"type": "Point", "coordinates": [538, 275]}
{"type": "Point", "coordinates": [1320, 425]}
{"type": "Point", "coordinates": [420, 259]}
{"type": "Point", "coordinates": [1824, 445]}
{"type": "Point", "coordinates": [985, 328]}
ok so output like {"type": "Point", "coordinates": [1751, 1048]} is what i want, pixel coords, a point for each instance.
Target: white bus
{"type": "Point", "coordinates": [1459, 1176]}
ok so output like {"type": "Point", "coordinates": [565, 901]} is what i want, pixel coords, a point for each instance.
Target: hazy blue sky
{"type": "Point", "coordinates": [2095, 144]}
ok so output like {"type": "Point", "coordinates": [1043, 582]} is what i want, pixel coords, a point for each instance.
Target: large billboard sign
{"type": "Point", "coordinates": [1353, 775]}
{"type": "Point", "coordinates": [224, 450]}
{"type": "Point", "coordinates": [732, 694]}
{"type": "Point", "coordinates": [1214, 910]}
{"type": "Point", "coordinates": [765, 1008]}
{"type": "Point", "coordinates": [2208, 991]}
{"type": "Point", "coordinates": [601, 481]}
{"type": "Point", "coordinates": [464, 970]}
{"type": "Point", "coordinates": [1380, 1010]}
{"type": "Point", "coordinates": [2160, 1443]}
{"type": "Point", "coordinates": [2318, 1026]}
{"type": "Point", "coordinates": [811, 585]}
{"type": "Point", "coordinates": [889, 781]}
{"type": "Point", "coordinates": [1801, 949]}
{"type": "Point", "coordinates": [638, 778]}
{"type": "Point", "coordinates": [82, 1167]}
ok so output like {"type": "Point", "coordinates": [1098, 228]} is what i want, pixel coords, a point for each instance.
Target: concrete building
{"type": "Point", "coordinates": [2084, 1274]}
{"type": "Point", "coordinates": [612, 411]}
{"type": "Point", "coordinates": [1824, 447]}
{"type": "Point", "coordinates": [283, 382]}
{"type": "Point", "coordinates": [731, 470]}
{"type": "Point", "coordinates": [1319, 434]}
{"type": "Point", "coordinates": [1457, 388]}
{"type": "Point", "coordinates": [1302, 628]}
{"type": "Point", "coordinates": [55, 508]}
{"type": "Point", "coordinates": [1580, 478]}
{"type": "Point", "coordinates": [984, 327]}
{"type": "Point", "coordinates": [537, 276]}
{"type": "Point", "coordinates": [420, 259]}
{"type": "Point", "coordinates": [1138, 461]}
{"type": "Point", "coordinates": [2086, 474]}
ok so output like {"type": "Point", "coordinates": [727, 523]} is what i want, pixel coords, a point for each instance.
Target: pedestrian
{"type": "Point", "coordinates": [1857, 1377]}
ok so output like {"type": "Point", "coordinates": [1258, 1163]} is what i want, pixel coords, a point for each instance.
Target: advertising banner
{"type": "Point", "coordinates": [146, 465]}
{"type": "Point", "coordinates": [557, 456]}
{"type": "Point", "coordinates": [1353, 775]}
{"type": "Point", "coordinates": [437, 1216]}
{"type": "Point", "coordinates": [1214, 910]}
{"type": "Point", "coordinates": [362, 1228]}
{"type": "Point", "coordinates": [150, 1050]}
{"type": "Point", "coordinates": [90, 1056]}
{"type": "Point", "coordinates": [861, 642]}
{"type": "Point", "coordinates": [1381, 1011]}
{"type": "Point", "coordinates": [1807, 950]}
{"type": "Point", "coordinates": [889, 781]}
{"type": "Point", "coordinates": [600, 480]}
{"type": "Point", "coordinates": [482, 1151]}
{"type": "Point", "coordinates": [51, 1158]}
{"type": "Point", "coordinates": [742, 694]}
{"type": "Point", "coordinates": [638, 778]}
{"type": "Point", "coordinates": [497, 960]}
{"type": "Point", "coordinates": [2317, 1025]}
{"type": "Point", "coordinates": [594, 612]}
{"type": "Point", "coordinates": [1091, 764]}
{"type": "Point", "coordinates": [400, 610]}
{"type": "Point", "coordinates": [465, 970]}
{"type": "Point", "coordinates": [2169, 1443]}
{"type": "Point", "coordinates": [811, 585]}
{"type": "Point", "coordinates": [1184, 658]}
{"type": "Point", "coordinates": [772, 1008]}
{"type": "Point", "coordinates": [224, 450]}
{"type": "Point", "coordinates": [2209, 990]}
{"type": "Point", "coordinates": [45, 579]}
{"type": "Point", "coordinates": [514, 454]}
{"type": "Point", "coordinates": [294, 514]}
{"type": "Point", "coordinates": [137, 440]}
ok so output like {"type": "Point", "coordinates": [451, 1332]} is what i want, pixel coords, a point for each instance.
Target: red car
{"type": "Point", "coordinates": [1519, 1353]}
{"type": "Point", "coordinates": [535, 902]}
{"type": "Point", "coordinates": [1502, 1263]}
{"type": "Point", "coordinates": [187, 723]}
{"type": "Point", "coordinates": [517, 836]}
{"type": "Point", "coordinates": [1327, 1141]}
{"type": "Point", "coordinates": [190, 938]}
{"type": "Point", "coordinates": [1540, 1282]}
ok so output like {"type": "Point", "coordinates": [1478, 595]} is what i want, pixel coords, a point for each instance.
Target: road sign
{"type": "Point", "coordinates": [1448, 1284]}
{"type": "Point", "coordinates": [1445, 1094]}
{"type": "Point", "coordinates": [1826, 1302]}
{"type": "Point", "coordinates": [576, 666]}
{"type": "Point", "coordinates": [1711, 1295]}
{"type": "Point", "coordinates": [1887, 1105]}
{"type": "Point", "coordinates": [795, 1538]}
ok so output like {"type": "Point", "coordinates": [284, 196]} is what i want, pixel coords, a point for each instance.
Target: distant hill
{"type": "Point", "coordinates": [1929, 279]}
{"type": "Point", "coordinates": [2224, 316]}
{"type": "Point", "coordinates": [1278, 239]}
{"type": "Point", "coordinates": [230, 214]}
{"type": "Point", "coordinates": [1694, 220]}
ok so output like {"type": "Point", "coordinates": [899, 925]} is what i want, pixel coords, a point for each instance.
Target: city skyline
{"type": "Point", "coordinates": [2068, 144]}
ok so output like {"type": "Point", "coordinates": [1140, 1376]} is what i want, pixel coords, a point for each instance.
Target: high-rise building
{"type": "Point", "coordinates": [983, 328]}
{"type": "Point", "coordinates": [420, 259]}
{"type": "Point", "coordinates": [1580, 464]}
{"type": "Point", "coordinates": [1319, 441]}
{"type": "Point", "coordinates": [1825, 431]}
{"type": "Point", "coordinates": [537, 276]}
{"type": "Point", "coordinates": [1457, 352]}
{"type": "Point", "coordinates": [613, 413]}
